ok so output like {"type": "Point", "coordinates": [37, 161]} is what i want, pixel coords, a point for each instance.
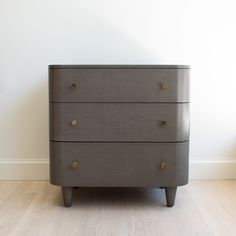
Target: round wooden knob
{"type": "Point", "coordinates": [163, 165]}
{"type": "Point", "coordinates": [74, 122]}
{"type": "Point", "coordinates": [74, 165]}
{"type": "Point", "coordinates": [73, 86]}
{"type": "Point", "coordinates": [163, 123]}
{"type": "Point", "coordinates": [164, 85]}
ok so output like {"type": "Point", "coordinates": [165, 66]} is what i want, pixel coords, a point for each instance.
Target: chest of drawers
{"type": "Point", "coordinates": [119, 126]}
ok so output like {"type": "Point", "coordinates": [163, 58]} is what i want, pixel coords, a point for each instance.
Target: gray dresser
{"type": "Point", "coordinates": [119, 126]}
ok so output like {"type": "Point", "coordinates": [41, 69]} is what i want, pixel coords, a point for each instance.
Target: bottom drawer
{"type": "Point", "coordinates": [119, 164]}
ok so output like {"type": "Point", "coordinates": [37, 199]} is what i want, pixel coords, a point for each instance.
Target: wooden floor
{"type": "Point", "coordinates": [202, 208]}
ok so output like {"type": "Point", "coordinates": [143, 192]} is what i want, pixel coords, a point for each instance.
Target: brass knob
{"type": "Point", "coordinates": [164, 85]}
{"type": "Point", "coordinates": [74, 122]}
{"type": "Point", "coordinates": [73, 86]}
{"type": "Point", "coordinates": [163, 123]}
{"type": "Point", "coordinates": [163, 165]}
{"type": "Point", "coordinates": [74, 165]}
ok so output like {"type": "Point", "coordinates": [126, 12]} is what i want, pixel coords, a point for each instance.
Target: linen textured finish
{"type": "Point", "coordinates": [119, 126]}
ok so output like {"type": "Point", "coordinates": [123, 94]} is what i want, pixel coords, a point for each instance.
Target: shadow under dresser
{"type": "Point", "coordinates": [119, 126]}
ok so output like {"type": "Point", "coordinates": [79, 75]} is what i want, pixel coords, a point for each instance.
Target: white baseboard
{"type": "Point", "coordinates": [212, 169]}
{"type": "Point", "coordinates": [29, 169]}
{"type": "Point", "coordinates": [32, 169]}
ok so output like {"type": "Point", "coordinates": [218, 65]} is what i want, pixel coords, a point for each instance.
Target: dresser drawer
{"type": "Point", "coordinates": [119, 164]}
{"type": "Point", "coordinates": [119, 85]}
{"type": "Point", "coordinates": [137, 122]}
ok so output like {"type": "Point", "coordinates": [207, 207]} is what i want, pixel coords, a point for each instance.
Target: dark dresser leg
{"type": "Point", "coordinates": [170, 195]}
{"type": "Point", "coordinates": [67, 196]}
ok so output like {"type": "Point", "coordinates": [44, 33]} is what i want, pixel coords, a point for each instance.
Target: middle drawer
{"type": "Point", "coordinates": [125, 122]}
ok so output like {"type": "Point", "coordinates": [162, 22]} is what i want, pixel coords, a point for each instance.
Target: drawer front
{"type": "Point", "coordinates": [119, 164]}
{"type": "Point", "coordinates": [119, 85]}
{"type": "Point", "coordinates": [137, 122]}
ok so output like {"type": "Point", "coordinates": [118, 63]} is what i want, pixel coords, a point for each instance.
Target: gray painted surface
{"type": "Point", "coordinates": [118, 141]}
{"type": "Point", "coordinates": [119, 164]}
{"type": "Point", "coordinates": [170, 195]}
{"type": "Point", "coordinates": [119, 66]}
{"type": "Point", "coordinates": [67, 196]}
{"type": "Point", "coordinates": [119, 85]}
{"type": "Point", "coordinates": [136, 122]}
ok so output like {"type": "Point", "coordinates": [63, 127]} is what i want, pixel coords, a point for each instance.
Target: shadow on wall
{"type": "Point", "coordinates": [97, 42]}
{"type": "Point", "coordinates": [94, 41]}
{"type": "Point", "coordinates": [26, 125]}
{"type": "Point", "coordinates": [232, 151]}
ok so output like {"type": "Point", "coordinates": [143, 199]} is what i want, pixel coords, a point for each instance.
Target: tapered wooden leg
{"type": "Point", "coordinates": [67, 196]}
{"type": "Point", "coordinates": [170, 195]}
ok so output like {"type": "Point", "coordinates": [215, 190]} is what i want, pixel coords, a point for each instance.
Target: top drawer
{"type": "Point", "coordinates": [118, 85]}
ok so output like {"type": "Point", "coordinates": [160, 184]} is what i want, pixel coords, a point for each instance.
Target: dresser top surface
{"type": "Point", "coordinates": [151, 66]}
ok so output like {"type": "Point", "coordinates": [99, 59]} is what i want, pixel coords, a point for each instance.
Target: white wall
{"type": "Point", "coordinates": [37, 33]}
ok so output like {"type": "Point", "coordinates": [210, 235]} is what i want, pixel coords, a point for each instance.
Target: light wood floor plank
{"type": "Point", "coordinates": [35, 208]}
